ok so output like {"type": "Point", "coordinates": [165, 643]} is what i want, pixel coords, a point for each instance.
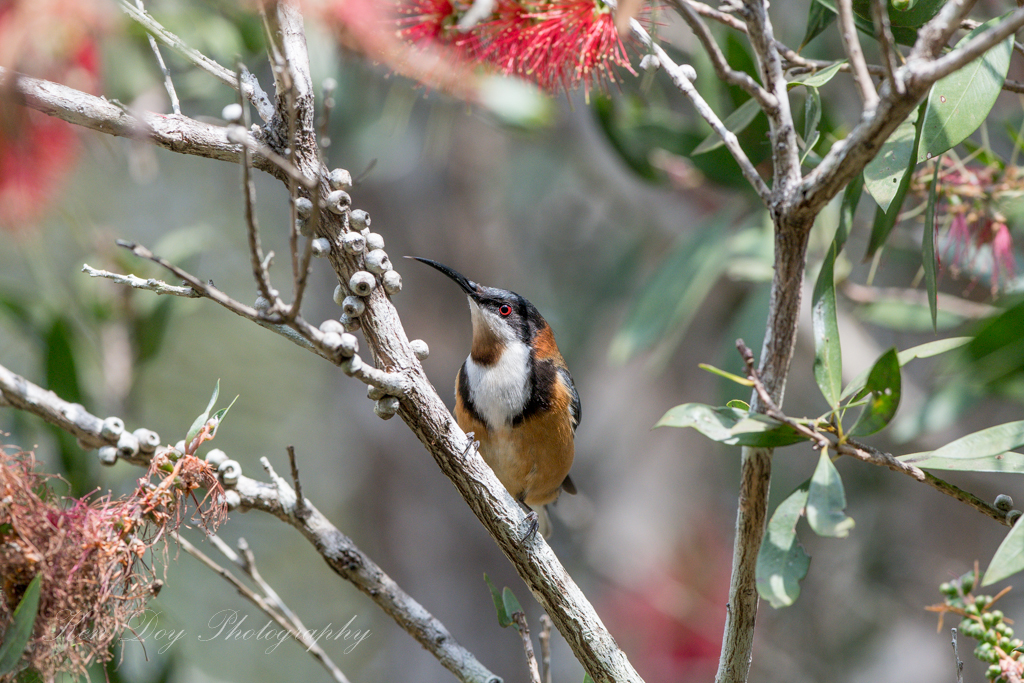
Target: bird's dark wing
{"type": "Point", "coordinates": [575, 408]}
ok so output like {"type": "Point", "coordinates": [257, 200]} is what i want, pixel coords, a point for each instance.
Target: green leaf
{"type": "Point", "coordinates": [587, 678]}
{"type": "Point", "coordinates": [197, 425]}
{"type": "Point", "coordinates": [1009, 462]}
{"type": "Point", "coordinates": [883, 387]}
{"type": "Point", "coordinates": [927, 350]}
{"type": "Point", "coordinates": [726, 375]}
{"type": "Point", "coordinates": [737, 121]}
{"type": "Point", "coordinates": [499, 603]}
{"type": "Point", "coordinates": [828, 356]}
{"type": "Point", "coordinates": [906, 316]}
{"type": "Point", "coordinates": [812, 118]}
{"type": "Point", "coordinates": [928, 259]}
{"type": "Point", "coordinates": [731, 426]}
{"type": "Point", "coordinates": [511, 604]}
{"type": "Point", "coordinates": [994, 359]}
{"type": "Point", "coordinates": [883, 174]}
{"type": "Point", "coordinates": [904, 35]}
{"type": "Point", "coordinates": [988, 442]}
{"type": "Point", "coordinates": [816, 79]}
{"type": "Point", "coordinates": [738, 405]}
{"type": "Point", "coordinates": [219, 416]}
{"type": "Point", "coordinates": [669, 301]}
{"type": "Point", "coordinates": [851, 198]}
{"type": "Point", "coordinates": [910, 15]}
{"type": "Point", "coordinates": [782, 562]}
{"type": "Point", "coordinates": [826, 501]}
{"type": "Point", "coordinates": [20, 630]}
{"type": "Point", "coordinates": [960, 102]}
{"type": "Point", "coordinates": [885, 218]}
{"type": "Point", "coordinates": [819, 18]}
{"type": "Point", "coordinates": [1009, 558]}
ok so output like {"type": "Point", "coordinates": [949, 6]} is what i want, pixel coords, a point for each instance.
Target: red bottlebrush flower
{"type": "Point", "coordinates": [422, 22]}
{"type": "Point", "coordinates": [555, 44]}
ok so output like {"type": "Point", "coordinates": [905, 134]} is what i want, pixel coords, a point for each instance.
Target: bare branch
{"type": "Point", "coordinates": [785, 150]}
{"type": "Point", "coordinates": [886, 43]}
{"type": "Point", "coordinates": [876, 457]}
{"type": "Point", "coordinates": [151, 284]}
{"type": "Point", "coordinates": [296, 631]}
{"type": "Point", "coordinates": [524, 632]}
{"type": "Point", "coordinates": [260, 268]}
{"type": "Point", "coordinates": [250, 86]}
{"type": "Point", "coordinates": [929, 71]}
{"type": "Point", "coordinates": [722, 68]}
{"type": "Point", "coordinates": [545, 647]}
{"type": "Point", "coordinates": [175, 133]}
{"type": "Point", "coordinates": [933, 36]}
{"type": "Point", "coordinates": [851, 44]}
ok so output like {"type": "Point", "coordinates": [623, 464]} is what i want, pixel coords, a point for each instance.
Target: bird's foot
{"type": "Point", "coordinates": [473, 444]}
{"type": "Point", "coordinates": [532, 524]}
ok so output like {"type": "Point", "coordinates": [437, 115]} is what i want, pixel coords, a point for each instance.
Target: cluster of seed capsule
{"type": "Point", "coordinates": [997, 645]}
{"type": "Point", "coordinates": [368, 247]}
{"type": "Point", "coordinates": [129, 444]}
{"type": "Point", "coordinates": [144, 442]}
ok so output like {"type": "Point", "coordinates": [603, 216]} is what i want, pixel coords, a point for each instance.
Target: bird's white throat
{"type": "Point", "coordinates": [499, 392]}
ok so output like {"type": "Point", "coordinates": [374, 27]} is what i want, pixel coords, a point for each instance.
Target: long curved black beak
{"type": "Point", "coordinates": [468, 286]}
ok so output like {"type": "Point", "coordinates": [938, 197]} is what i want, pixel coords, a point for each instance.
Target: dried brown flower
{"type": "Point", "coordinates": [95, 555]}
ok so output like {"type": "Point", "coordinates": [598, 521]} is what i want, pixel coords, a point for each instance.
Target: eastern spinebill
{"type": "Point", "coordinates": [515, 394]}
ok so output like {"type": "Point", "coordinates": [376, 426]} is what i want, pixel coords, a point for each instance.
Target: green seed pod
{"type": "Point", "coordinates": [947, 589]}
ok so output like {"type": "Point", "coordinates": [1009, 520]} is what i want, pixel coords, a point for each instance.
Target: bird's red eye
{"type": "Point", "coordinates": [505, 310]}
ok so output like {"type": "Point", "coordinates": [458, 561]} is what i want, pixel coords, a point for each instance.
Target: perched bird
{"type": "Point", "coordinates": [514, 392]}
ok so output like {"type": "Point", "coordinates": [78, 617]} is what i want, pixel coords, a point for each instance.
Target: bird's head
{"type": "Point", "coordinates": [500, 317]}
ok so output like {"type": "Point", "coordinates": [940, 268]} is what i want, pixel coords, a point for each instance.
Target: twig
{"type": "Point", "coordinates": [722, 68]}
{"type": "Point", "coordinates": [886, 44]}
{"type": "Point", "coordinates": [683, 81]}
{"type": "Point", "coordinates": [168, 83]}
{"type": "Point", "coordinates": [818, 439]}
{"type": "Point", "coordinates": [300, 502]}
{"type": "Point", "coordinates": [298, 331]}
{"type": "Point", "coordinates": [250, 86]}
{"type": "Point", "coordinates": [531, 658]}
{"type": "Point", "coordinates": [248, 565]}
{"type": "Point", "coordinates": [295, 630]}
{"type": "Point", "coordinates": [851, 44]}
{"type": "Point", "coordinates": [956, 658]}
{"type": "Point", "coordinates": [545, 647]}
{"type": "Point", "coordinates": [260, 270]}
{"type": "Point", "coordinates": [150, 284]}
